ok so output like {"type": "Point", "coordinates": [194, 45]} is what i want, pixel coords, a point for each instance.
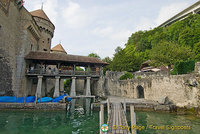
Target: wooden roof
{"type": "Point", "coordinates": [62, 57]}
{"type": "Point", "coordinates": [58, 48]}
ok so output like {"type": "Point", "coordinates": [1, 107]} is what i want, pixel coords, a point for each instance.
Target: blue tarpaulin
{"type": "Point", "coordinates": [11, 99]}
{"type": "Point", "coordinates": [31, 99]}
{"type": "Point", "coordinates": [61, 97]}
{"type": "Point", "coordinates": [44, 99]}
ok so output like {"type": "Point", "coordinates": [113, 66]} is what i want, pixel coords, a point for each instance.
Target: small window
{"type": "Point", "coordinates": [38, 47]}
{"type": "Point", "coordinates": [31, 47]}
{"type": "Point", "coordinates": [45, 49]}
{"type": "Point", "coordinates": [43, 41]}
{"type": "Point", "coordinates": [48, 40]}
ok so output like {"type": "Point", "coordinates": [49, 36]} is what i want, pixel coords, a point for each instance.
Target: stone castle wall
{"type": "Point", "coordinates": [19, 34]}
{"type": "Point", "coordinates": [182, 90]}
{"type": "Point", "coordinates": [8, 40]}
{"type": "Point", "coordinates": [47, 30]}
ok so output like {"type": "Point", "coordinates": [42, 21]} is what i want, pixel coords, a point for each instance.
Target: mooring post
{"type": "Point", "coordinates": [94, 99]}
{"type": "Point", "coordinates": [25, 99]}
{"type": "Point", "coordinates": [133, 119]}
{"type": "Point", "coordinates": [101, 117]}
{"type": "Point", "coordinates": [124, 105]}
{"type": "Point", "coordinates": [36, 99]}
{"type": "Point", "coordinates": [108, 105]}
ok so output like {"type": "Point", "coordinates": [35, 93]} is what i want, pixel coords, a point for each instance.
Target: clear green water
{"type": "Point", "coordinates": [166, 119]}
{"type": "Point", "coordinates": [40, 122]}
{"type": "Point", "coordinates": [81, 122]}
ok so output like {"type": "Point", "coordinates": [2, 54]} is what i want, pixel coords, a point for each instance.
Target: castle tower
{"type": "Point", "coordinates": [47, 29]}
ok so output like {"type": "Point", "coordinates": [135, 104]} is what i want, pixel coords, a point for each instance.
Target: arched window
{"type": "Point", "coordinates": [140, 91]}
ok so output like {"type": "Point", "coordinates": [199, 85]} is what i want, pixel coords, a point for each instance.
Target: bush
{"type": "Point", "coordinates": [126, 76]}
{"type": "Point", "coordinates": [183, 67]}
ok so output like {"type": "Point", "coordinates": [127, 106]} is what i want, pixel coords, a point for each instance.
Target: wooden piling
{"type": "Point", "coordinates": [25, 99]}
{"type": "Point", "coordinates": [124, 105]}
{"type": "Point", "coordinates": [101, 117]}
{"type": "Point", "coordinates": [108, 105]}
{"type": "Point", "coordinates": [36, 99]}
{"type": "Point", "coordinates": [133, 122]}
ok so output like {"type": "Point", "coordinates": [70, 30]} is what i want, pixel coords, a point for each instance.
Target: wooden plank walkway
{"type": "Point", "coordinates": [117, 120]}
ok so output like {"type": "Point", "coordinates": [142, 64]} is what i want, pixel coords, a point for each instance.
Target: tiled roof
{"type": "Point", "coordinates": [58, 48]}
{"type": "Point", "coordinates": [62, 57]}
{"type": "Point", "coordinates": [40, 13]}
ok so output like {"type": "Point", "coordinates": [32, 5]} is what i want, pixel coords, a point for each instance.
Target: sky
{"type": "Point", "coordinates": [99, 26]}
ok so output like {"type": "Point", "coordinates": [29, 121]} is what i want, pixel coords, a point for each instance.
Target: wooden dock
{"type": "Point", "coordinates": [117, 120]}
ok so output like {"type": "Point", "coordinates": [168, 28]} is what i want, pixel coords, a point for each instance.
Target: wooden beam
{"type": "Point", "coordinates": [124, 105]}
{"type": "Point", "coordinates": [101, 117]}
{"type": "Point", "coordinates": [133, 119]}
{"type": "Point", "coordinates": [108, 106]}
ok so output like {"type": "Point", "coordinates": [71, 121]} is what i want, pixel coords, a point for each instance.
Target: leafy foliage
{"type": "Point", "coordinates": [126, 76]}
{"type": "Point", "coordinates": [94, 55]}
{"type": "Point", "coordinates": [166, 53]}
{"type": "Point", "coordinates": [67, 84]}
{"type": "Point", "coordinates": [164, 45]}
{"type": "Point", "coordinates": [183, 67]}
{"type": "Point", "coordinates": [79, 69]}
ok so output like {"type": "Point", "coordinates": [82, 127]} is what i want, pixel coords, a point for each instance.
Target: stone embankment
{"type": "Point", "coordinates": [39, 106]}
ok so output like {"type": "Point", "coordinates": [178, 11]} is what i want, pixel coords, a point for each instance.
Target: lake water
{"type": "Point", "coordinates": [82, 121]}
{"type": "Point", "coordinates": [167, 122]}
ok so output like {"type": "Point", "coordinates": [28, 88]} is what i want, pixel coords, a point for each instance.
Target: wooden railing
{"type": "Point", "coordinates": [62, 72]}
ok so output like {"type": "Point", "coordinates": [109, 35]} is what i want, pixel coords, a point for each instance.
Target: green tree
{"type": "Point", "coordinates": [167, 53]}
{"type": "Point", "coordinates": [79, 69]}
{"type": "Point", "coordinates": [183, 35]}
{"type": "Point", "coordinates": [107, 59]}
{"type": "Point", "coordinates": [94, 55]}
{"type": "Point", "coordinates": [196, 51]}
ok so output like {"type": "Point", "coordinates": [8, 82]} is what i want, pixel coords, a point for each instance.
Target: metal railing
{"type": "Point", "coordinates": [61, 72]}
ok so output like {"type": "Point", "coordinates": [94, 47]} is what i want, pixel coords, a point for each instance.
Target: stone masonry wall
{"type": "Point", "coordinates": [15, 44]}
{"type": "Point", "coordinates": [8, 40]}
{"type": "Point", "coordinates": [182, 90]}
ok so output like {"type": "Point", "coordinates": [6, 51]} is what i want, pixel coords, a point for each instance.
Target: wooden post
{"type": "Point", "coordinates": [101, 117]}
{"type": "Point", "coordinates": [36, 99]}
{"type": "Point", "coordinates": [124, 105]}
{"type": "Point", "coordinates": [108, 105]}
{"type": "Point", "coordinates": [41, 69]}
{"type": "Point", "coordinates": [74, 69]}
{"type": "Point", "coordinates": [94, 99]}
{"type": "Point", "coordinates": [25, 99]}
{"type": "Point", "coordinates": [133, 119]}
{"type": "Point", "coordinates": [88, 69]}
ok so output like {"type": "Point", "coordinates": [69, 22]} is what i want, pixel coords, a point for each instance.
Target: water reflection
{"type": "Point", "coordinates": [83, 105]}
{"type": "Point", "coordinates": [77, 121]}
{"type": "Point", "coordinates": [82, 120]}
{"type": "Point", "coordinates": [164, 119]}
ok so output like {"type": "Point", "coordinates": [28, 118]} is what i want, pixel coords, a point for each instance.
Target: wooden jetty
{"type": "Point", "coordinates": [117, 120]}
